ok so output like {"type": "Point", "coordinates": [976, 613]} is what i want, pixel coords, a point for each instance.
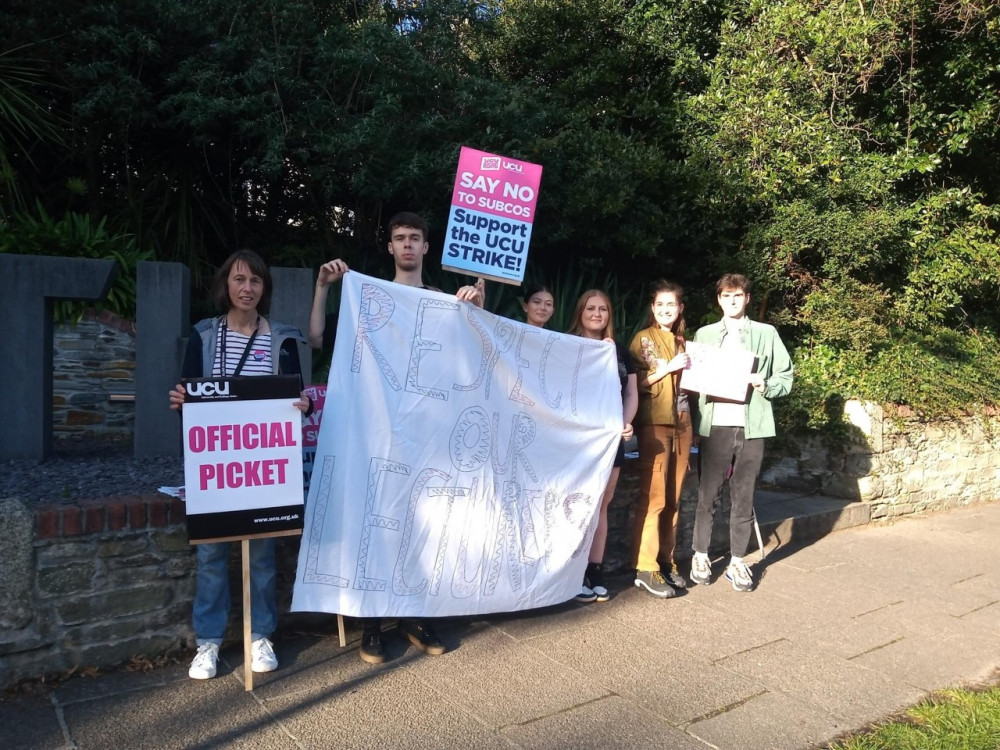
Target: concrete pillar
{"type": "Point", "coordinates": [17, 532]}
{"type": "Point", "coordinates": [291, 303]}
{"type": "Point", "coordinates": [162, 325]}
{"type": "Point", "coordinates": [28, 284]}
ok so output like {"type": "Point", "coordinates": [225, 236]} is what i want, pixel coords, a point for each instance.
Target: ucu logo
{"type": "Point", "coordinates": [208, 389]}
{"type": "Point", "coordinates": [512, 166]}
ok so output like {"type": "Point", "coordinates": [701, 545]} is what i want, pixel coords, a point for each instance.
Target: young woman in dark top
{"type": "Point", "coordinates": [538, 305]}
{"type": "Point", "coordinates": [592, 319]}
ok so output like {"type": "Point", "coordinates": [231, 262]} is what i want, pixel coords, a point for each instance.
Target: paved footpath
{"type": "Point", "coordinates": [840, 633]}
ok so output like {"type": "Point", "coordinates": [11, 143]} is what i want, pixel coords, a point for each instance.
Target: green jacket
{"type": "Point", "coordinates": [773, 362]}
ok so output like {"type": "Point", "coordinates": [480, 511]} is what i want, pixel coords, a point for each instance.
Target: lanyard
{"type": "Point", "coordinates": [246, 351]}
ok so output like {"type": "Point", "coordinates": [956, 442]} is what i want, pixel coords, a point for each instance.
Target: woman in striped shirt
{"type": "Point", "coordinates": [240, 342]}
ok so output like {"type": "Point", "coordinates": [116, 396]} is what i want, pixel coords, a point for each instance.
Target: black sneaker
{"type": "Point", "coordinates": [422, 636]}
{"type": "Point", "coordinates": [594, 580]}
{"type": "Point", "coordinates": [674, 578]}
{"type": "Point", "coordinates": [371, 650]}
{"type": "Point", "coordinates": [654, 583]}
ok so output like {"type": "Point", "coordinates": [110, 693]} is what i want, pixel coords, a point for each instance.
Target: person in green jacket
{"type": "Point", "coordinates": [732, 433]}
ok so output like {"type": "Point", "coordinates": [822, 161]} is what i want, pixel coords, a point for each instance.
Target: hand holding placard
{"type": "Point", "coordinates": [722, 373]}
{"type": "Point", "coordinates": [492, 211]}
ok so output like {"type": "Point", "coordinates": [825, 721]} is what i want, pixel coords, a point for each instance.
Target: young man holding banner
{"type": "Point", "coordinates": [407, 245]}
{"type": "Point", "coordinates": [732, 432]}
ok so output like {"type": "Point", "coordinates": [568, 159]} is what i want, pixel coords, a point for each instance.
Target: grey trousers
{"type": "Point", "coordinates": [725, 447]}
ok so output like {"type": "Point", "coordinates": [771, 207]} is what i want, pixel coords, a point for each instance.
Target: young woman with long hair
{"type": "Point", "coordinates": [592, 319]}
{"type": "Point", "coordinates": [241, 341]}
{"type": "Point", "coordinates": [663, 426]}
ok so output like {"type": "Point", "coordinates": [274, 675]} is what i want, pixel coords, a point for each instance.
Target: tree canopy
{"type": "Point", "coordinates": [845, 155]}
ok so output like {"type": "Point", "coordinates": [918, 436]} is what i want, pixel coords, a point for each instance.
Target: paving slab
{"type": "Point", "coordinates": [531, 683]}
{"type": "Point", "coordinates": [774, 610]}
{"type": "Point", "coordinates": [852, 637]}
{"type": "Point", "coordinates": [32, 722]}
{"type": "Point", "coordinates": [769, 721]}
{"type": "Point", "coordinates": [824, 589]}
{"type": "Point", "coordinates": [931, 662]}
{"type": "Point", "coordinates": [208, 713]}
{"type": "Point", "coordinates": [323, 665]}
{"type": "Point", "coordinates": [842, 630]}
{"type": "Point", "coordinates": [985, 618]}
{"type": "Point", "coordinates": [691, 624]}
{"type": "Point", "coordinates": [971, 520]}
{"type": "Point", "coordinates": [676, 684]}
{"type": "Point", "coordinates": [88, 688]}
{"type": "Point", "coordinates": [927, 615]}
{"type": "Point", "coordinates": [385, 710]}
{"type": "Point", "coordinates": [844, 689]}
{"type": "Point", "coordinates": [605, 724]}
{"type": "Point", "coordinates": [833, 551]}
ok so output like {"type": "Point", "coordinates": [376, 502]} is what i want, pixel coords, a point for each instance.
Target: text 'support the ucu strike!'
{"type": "Point", "coordinates": [461, 459]}
{"type": "Point", "coordinates": [492, 214]}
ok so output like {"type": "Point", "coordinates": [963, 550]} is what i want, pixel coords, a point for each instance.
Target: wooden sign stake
{"type": "Point", "coordinates": [247, 656]}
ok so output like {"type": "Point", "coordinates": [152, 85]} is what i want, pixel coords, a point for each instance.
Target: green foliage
{"type": "Point", "coordinates": [603, 119]}
{"type": "Point", "coordinates": [23, 119]}
{"type": "Point", "coordinates": [950, 720]}
{"type": "Point", "coordinates": [835, 148]}
{"type": "Point", "coordinates": [954, 259]}
{"type": "Point", "coordinates": [77, 236]}
{"type": "Point", "coordinates": [942, 372]}
{"type": "Point", "coordinates": [844, 154]}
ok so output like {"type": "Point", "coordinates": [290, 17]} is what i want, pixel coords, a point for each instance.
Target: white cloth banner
{"type": "Point", "coordinates": [461, 459]}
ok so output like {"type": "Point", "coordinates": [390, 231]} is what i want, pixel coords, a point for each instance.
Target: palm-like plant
{"type": "Point", "coordinates": [23, 122]}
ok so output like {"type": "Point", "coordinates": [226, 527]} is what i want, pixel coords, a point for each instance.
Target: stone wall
{"type": "Point", "coordinates": [96, 582]}
{"type": "Point", "coordinates": [93, 361]}
{"type": "Point", "coordinates": [896, 462]}
{"type": "Point", "coordinates": [92, 583]}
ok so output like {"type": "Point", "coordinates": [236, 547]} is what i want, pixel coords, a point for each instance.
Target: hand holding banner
{"type": "Point", "coordinates": [461, 462]}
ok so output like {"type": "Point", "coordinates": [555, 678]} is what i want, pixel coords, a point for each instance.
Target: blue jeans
{"type": "Point", "coordinates": [211, 599]}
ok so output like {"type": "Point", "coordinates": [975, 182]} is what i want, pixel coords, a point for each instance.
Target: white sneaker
{"type": "Point", "coordinates": [204, 663]}
{"type": "Point", "coordinates": [262, 658]}
{"type": "Point", "coordinates": [740, 576]}
{"type": "Point", "coordinates": [701, 570]}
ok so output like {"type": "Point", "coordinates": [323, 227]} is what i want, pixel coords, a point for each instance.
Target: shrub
{"type": "Point", "coordinates": [78, 236]}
